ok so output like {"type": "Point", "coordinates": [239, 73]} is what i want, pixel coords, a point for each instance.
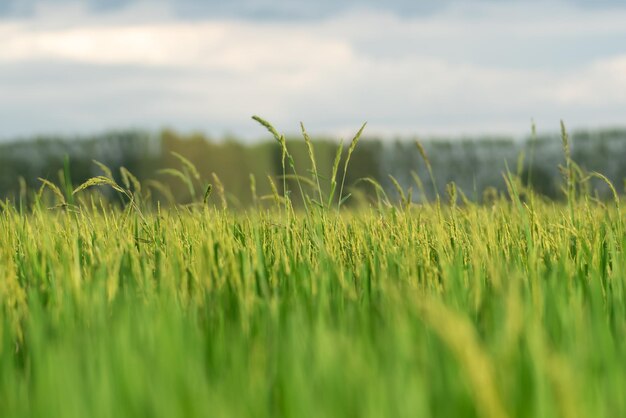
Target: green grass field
{"type": "Point", "coordinates": [513, 308]}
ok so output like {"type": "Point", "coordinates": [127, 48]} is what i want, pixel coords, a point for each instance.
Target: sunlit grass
{"type": "Point", "coordinates": [513, 308]}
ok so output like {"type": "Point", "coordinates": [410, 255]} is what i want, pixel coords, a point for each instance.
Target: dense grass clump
{"type": "Point", "coordinates": [514, 308]}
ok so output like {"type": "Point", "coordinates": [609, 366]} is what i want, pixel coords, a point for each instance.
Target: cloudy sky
{"type": "Point", "coordinates": [406, 67]}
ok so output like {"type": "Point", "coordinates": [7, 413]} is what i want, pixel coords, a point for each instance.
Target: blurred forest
{"type": "Point", "coordinates": [475, 165]}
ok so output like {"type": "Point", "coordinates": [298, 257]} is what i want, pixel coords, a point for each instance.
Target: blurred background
{"type": "Point", "coordinates": [126, 82]}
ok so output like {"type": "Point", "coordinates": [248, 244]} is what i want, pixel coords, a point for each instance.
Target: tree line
{"type": "Point", "coordinates": [246, 171]}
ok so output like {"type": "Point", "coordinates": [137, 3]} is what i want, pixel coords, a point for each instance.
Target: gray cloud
{"type": "Point", "coordinates": [276, 9]}
{"type": "Point", "coordinates": [490, 70]}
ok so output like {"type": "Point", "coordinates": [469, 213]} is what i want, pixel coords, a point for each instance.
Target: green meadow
{"type": "Point", "coordinates": [111, 306]}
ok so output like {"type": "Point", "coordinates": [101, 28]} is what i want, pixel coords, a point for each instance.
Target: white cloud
{"type": "Point", "coordinates": [488, 70]}
{"type": "Point", "coordinates": [600, 84]}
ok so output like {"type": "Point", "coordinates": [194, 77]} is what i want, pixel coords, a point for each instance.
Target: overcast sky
{"type": "Point", "coordinates": [406, 67]}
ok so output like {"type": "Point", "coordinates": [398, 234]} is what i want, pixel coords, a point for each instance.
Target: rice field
{"type": "Point", "coordinates": [514, 307]}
